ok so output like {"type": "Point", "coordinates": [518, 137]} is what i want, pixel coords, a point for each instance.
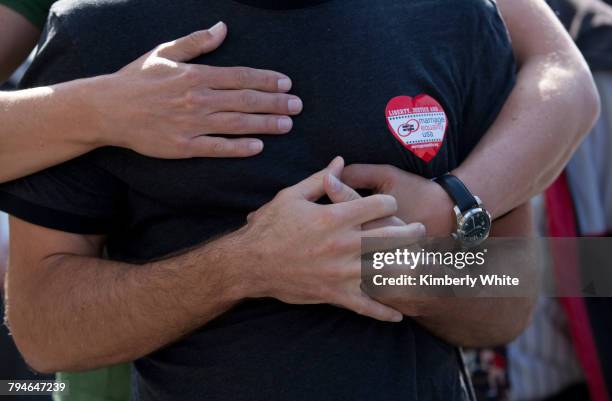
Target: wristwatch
{"type": "Point", "coordinates": [473, 220]}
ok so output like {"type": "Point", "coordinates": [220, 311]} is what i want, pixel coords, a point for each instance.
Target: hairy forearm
{"type": "Point", "coordinates": [552, 107]}
{"type": "Point", "coordinates": [85, 312]}
{"type": "Point", "coordinates": [42, 127]}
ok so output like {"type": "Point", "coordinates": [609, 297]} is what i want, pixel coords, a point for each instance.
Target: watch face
{"type": "Point", "coordinates": [476, 226]}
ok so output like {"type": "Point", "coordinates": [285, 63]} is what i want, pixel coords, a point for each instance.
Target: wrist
{"type": "Point", "coordinates": [440, 219]}
{"type": "Point", "coordinates": [243, 263]}
{"type": "Point", "coordinates": [61, 115]}
{"type": "Point", "coordinates": [85, 102]}
{"type": "Point", "coordinates": [490, 191]}
{"type": "Point", "coordinates": [473, 219]}
{"type": "Point", "coordinates": [71, 114]}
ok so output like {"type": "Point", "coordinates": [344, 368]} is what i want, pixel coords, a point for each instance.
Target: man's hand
{"type": "Point", "coordinates": [419, 199]}
{"type": "Point", "coordinates": [307, 253]}
{"type": "Point", "coordinates": [161, 107]}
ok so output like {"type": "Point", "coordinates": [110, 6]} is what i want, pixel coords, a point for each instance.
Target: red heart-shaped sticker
{"type": "Point", "coordinates": [418, 123]}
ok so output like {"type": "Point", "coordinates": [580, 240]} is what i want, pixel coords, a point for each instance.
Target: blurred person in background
{"type": "Point", "coordinates": [529, 75]}
{"type": "Point", "coordinates": [566, 354]}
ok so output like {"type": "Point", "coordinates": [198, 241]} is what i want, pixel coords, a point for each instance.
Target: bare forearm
{"type": "Point", "coordinates": [42, 127]}
{"type": "Point", "coordinates": [90, 312]}
{"type": "Point", "coordinates": [540, 128]}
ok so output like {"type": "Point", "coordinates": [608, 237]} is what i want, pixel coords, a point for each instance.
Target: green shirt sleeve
{"type": "Point", "coordinates": [35, 11]}
{"type": "Point", "coordinates": [106, 384]}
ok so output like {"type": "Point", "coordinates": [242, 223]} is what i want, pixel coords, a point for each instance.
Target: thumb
{"type": "Point", "coordinates": [312, 188]}
{"type": "Point", "coordinates": [193, 45]}
{"type": "Point", "coordinates": [365, 176]}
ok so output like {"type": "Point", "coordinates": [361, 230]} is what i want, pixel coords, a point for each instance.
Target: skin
{"type": "Point", "coordinates": [41, 273]}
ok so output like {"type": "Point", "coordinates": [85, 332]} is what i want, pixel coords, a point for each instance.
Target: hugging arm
{"type": "Point", "coordinates": [69, 309]}
{"type": "Point", "coordinates": [553, 106]}
{"type": "Point", "coordinates": [125, 109]}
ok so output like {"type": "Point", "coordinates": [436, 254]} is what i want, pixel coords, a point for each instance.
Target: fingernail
{"type": "Point", "coordinates": [284, 84]}
{"type": "Point", "coordinates": [217, 28]}
{"type": "Point", "coordinates": [255, 146]}
{"type": "Point", "coordinates": [285, 124]}
{"type": "Point", "coordinates": [334, 184]}
{"type": "Point", "coordinates": [397, 318]}
{"type": "Point", "coordinates": [295, 105]}
{"type": "Point", "coordinates": [420, 228]}
{"type": "Point", "coordinates": [337, 159]}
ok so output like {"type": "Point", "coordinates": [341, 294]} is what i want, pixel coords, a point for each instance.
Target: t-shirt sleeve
{"type": "Point", "coordinates": [492, 76]}
{"type": "Point", "coordinates": [78, 196]}
{"type": "Point", "coordinates": [35, 11]}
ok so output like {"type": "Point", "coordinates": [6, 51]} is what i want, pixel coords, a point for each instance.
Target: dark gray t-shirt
{"type": "Point", "coordinates": [348, 60]}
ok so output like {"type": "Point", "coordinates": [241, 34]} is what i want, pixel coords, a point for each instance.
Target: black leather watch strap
{"type": "Point", "coordinates": [458, 192]}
